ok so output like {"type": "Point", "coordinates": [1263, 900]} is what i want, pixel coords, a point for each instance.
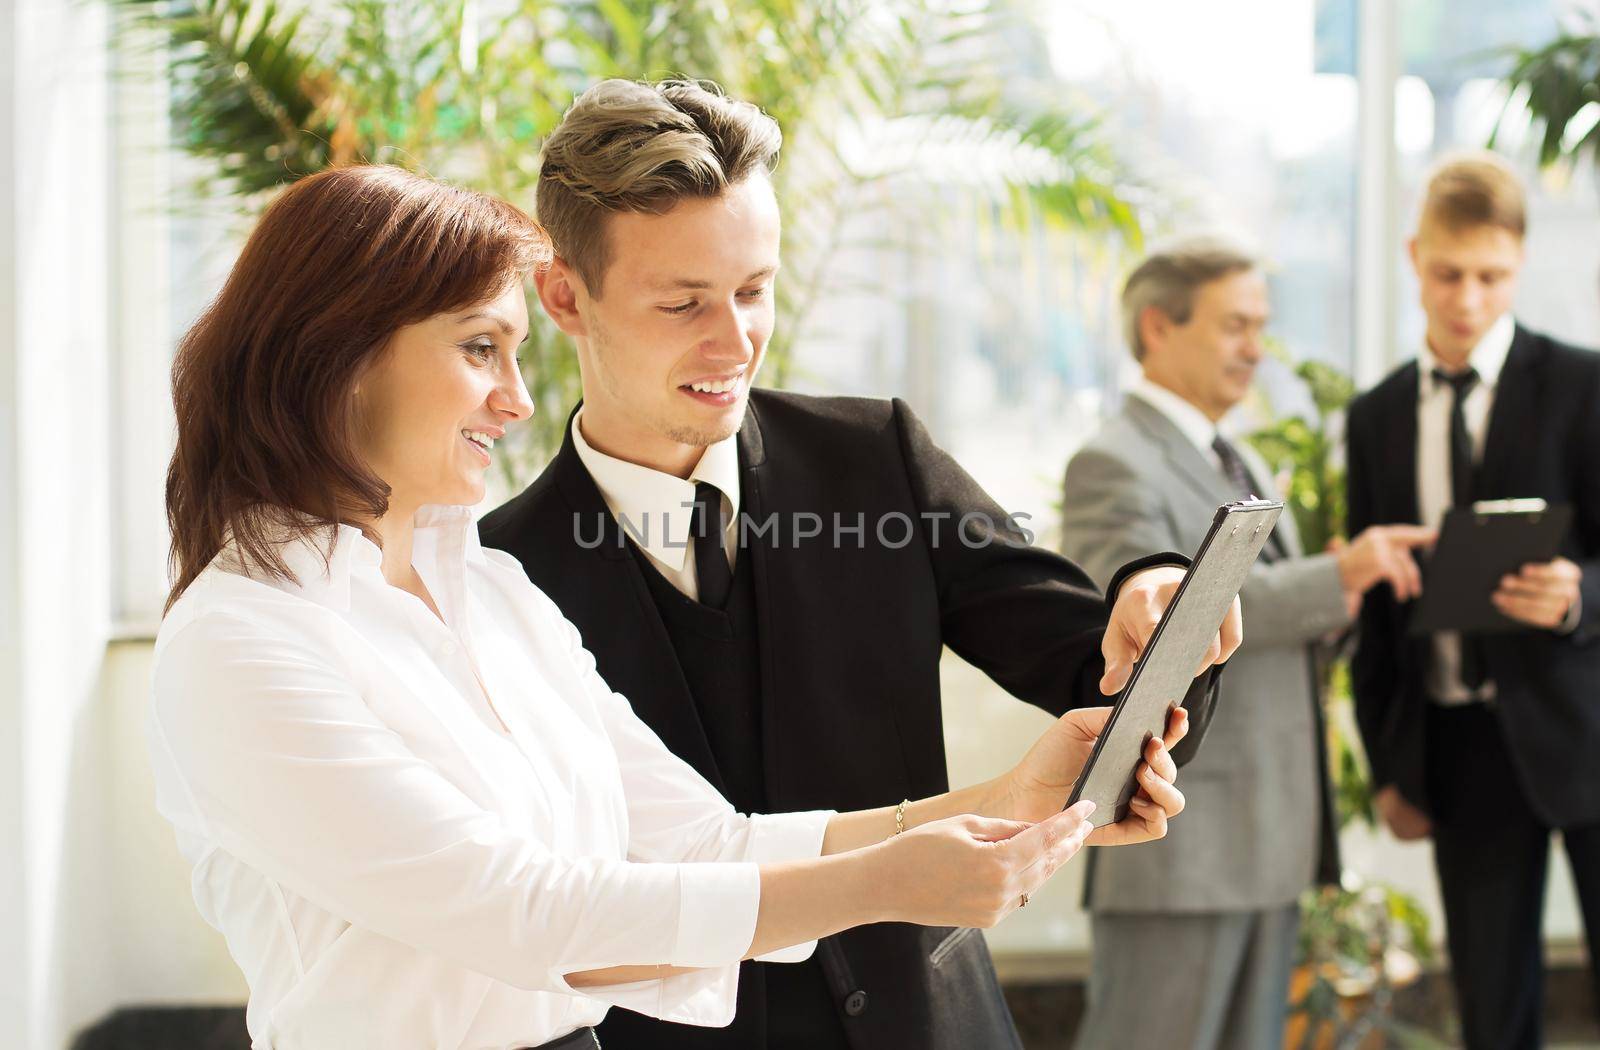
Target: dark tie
{"type": "Point", "coordinates": [1244, 486]}
{"type": "Point", "coordinates": [1474, 670]}
{"type": "Point", "coordinates": [712, 576]}
{"type": "Point", "coordinates": [1461, 471]}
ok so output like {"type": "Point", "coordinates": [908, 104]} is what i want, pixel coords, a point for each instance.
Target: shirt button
{"type": "Point", "coordinates": [855, 1004]}
{"type": "Point", "coordinates": [447, 649]}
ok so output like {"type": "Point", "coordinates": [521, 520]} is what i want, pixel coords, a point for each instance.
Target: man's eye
{"type": "Point", "coordinates": [681, 308]}
{"type": "Point", "coordinates": [753, 294]}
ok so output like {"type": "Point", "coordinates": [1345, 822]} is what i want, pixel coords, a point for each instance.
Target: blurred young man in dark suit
{"type": "Point", "coordinates": [1486, 743]}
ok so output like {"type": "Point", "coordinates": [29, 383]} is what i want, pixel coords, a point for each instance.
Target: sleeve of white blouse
{"type": "Point", "coordinates": [263, 746]}
{"type": "Point", "coordinates": [674, 814]}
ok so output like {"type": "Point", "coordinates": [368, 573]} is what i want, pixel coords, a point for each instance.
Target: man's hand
{"type": "Point", "coordinates": [1541, 594]}
{"type": "Point", "coordinates": [1144, 597]}
{"type": "Point", "coordinates": [1405, 821]}
{"type": "Point", "coordinates": [1039, 785]}
{"type": "Point", "coordinates": [1382, 554]}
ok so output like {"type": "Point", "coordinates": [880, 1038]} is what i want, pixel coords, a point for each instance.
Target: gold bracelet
{"type": "Point", "coordinates": [900, 816]}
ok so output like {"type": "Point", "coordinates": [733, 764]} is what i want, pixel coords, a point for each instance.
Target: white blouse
{"type": "Point", "coordinates": [409, 830]}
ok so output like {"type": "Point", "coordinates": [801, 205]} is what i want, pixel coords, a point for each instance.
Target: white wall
{"type": "Point", "coordinates": [15, 973]}
{"type": "Point", "coordinates": [55, 541]}
{"type": "Point", "coordinates": [161, 952]}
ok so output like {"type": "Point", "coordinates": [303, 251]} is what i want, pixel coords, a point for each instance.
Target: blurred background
{"type": "Point", "coordinates": [966, 183]}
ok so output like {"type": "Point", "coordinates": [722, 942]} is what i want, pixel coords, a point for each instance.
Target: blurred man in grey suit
{"type": "Point", "coordinates": [1208, 915]}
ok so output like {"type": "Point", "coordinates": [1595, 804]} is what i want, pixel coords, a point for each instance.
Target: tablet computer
{"type": "Point", "coordinates": [1162, 675]}
{"type": "Point", "coordinates": [1476, 547]}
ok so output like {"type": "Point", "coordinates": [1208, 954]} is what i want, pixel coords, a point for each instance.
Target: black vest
{"type": "Point", "coordinates": [719, 653]}
{"type": "Point", "coordinates": [720, 657]}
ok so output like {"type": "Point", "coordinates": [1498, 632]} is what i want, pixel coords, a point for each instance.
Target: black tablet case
{"type": "Point", "coordinates": [1475, 549]}
{"type": "Point", "coordinates": [1162, 676]}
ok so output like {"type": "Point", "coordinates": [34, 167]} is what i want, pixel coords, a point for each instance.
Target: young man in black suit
{"type": "Point", "coordinates": [770, 579]}
{"type": "Point", "coordinates": [1486, 743]}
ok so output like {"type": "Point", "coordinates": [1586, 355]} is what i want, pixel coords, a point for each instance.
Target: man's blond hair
{"type": "Point", "coordinates": [1470, 190]}
{"type": "Point", "coordinates": [627, 146]}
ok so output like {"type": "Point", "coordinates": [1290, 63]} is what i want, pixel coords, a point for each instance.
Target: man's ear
{"type": "Point", "coordinates": [1411, 251]}
{"type": "Point", "coordinates": [1153, 327]}
{"type": "Point", "coordinates": [560, 289]}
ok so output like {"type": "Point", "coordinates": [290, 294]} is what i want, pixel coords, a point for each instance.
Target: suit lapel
{"type": "Point", "coordinates": [1186, 461]}
{"type": "Point", "coordinates": [1516, 399]}
{"type": "Point", "coordinates": [753, 506]}
{"type": "Point", "coordinates": [619, 589]}
{"type": "Point", "coordinates": [1402, 446]}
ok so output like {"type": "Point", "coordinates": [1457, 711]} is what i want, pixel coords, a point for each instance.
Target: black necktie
{"type": "Point", "coordinates": [1474, 669]}
{"type": "Point", "coordinates": [1244, 486]}
{"type": "Point", "coordinates": [1461, 470]}
{"type": "Point", "coordinates": [712, 576]}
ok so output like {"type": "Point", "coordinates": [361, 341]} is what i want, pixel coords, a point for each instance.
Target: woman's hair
{"type": "Point", "coordinates": [263, 382]}
{"type": "Point", "coordinates": [640, 147]}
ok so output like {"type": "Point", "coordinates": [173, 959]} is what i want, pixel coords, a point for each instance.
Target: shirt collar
{"type": "Point", "coordinates": [1190, 421]}
{"type": "Point", "coordinates": [445, 535]}
{"type": "Point", "coordinates": [1488, 357]}
{"type": "Point", "coordinates": [652, 504]}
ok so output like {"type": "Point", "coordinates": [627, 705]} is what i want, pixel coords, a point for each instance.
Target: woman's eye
{"type": "Point", "coordinates": [482, 351]}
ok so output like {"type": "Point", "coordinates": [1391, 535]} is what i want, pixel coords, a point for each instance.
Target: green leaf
{"type": "Point", "coordinates": [268, 92]}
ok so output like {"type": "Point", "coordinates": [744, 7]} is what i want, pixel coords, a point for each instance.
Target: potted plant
{"type": "Point", "coordinates": [1361, 940]}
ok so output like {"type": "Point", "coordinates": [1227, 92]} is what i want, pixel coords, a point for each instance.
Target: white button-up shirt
{"type": "Point", "coordinates": [654, 507]}
{"type": "Point", "coordinates": [409, 830]}
{"type": "Point", "coordinates": [1435, 402]}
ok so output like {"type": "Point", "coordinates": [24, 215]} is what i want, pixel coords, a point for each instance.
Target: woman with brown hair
{"type": "Point", "coordinates": [414, 809]}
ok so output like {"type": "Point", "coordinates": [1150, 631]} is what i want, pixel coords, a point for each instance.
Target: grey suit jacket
{"type": "Point", "coordinates": [1257, 829]}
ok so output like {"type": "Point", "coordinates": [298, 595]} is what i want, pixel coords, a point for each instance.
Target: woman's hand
{"type": "Point", "coordinates": [1040, 784]}
{"type": "Point", "coordinates": [973, 871]}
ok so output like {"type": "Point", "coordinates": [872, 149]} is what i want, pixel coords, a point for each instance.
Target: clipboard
{"type": "Point", "coordinates": [1162, 675]}
{"type": "Point", "coordinates": [1476, 547]}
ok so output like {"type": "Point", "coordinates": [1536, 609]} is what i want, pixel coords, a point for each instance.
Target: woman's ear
{"type": "Point", "coordinates": [560, 291]}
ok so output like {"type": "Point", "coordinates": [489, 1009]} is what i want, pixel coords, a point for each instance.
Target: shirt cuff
{"type": "Point", "coordinates": [788, 836]}
{"type": "Point", "coordinates": [1149, 561]}
{"type": "Point", "coordinates": [717, 906]}
{"type": "Point", "coordinates": [707, 998]}
{"type": "Point", "coordinates": [1574, 615]}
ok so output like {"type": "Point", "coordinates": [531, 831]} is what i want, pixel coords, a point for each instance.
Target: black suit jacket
{"type": "Point", "coordinates": [850, 636]}
{"type": "Point", "coordinates": [1543, 440]}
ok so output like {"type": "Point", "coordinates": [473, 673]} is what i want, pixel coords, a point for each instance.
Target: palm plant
{"type": "Point", "coordinates": [266, 92]}
{"type": "Point", "coordinates": [1558, 88]}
